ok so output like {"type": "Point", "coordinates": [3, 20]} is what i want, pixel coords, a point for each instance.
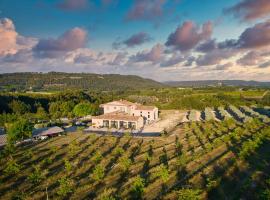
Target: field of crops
{"type": "Point", "coordinates": [215, 159]}
{"type": "Point", "coordinates": [241, 114]}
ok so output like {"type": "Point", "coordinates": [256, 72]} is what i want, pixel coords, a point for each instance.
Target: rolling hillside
{"type": "Point", "coordinates": [56, 80]}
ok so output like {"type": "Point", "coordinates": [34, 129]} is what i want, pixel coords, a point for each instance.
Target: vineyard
{"type": "Point", "coordinates": [210, 159]}
{"type": "Point", "coordinates": [241, 114]}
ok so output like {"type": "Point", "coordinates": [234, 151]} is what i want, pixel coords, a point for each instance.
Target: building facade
{"type": "Point", "coordinates": [125, 114]}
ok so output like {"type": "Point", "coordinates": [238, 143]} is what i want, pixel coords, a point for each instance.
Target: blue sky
{"type": "Point", "coordinates": [113, 21]}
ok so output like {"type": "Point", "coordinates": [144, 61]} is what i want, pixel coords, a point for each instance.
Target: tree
{"type": "Point", "coordinates": [19, 130]}
{"type": "Point", "coordinates": [66, 108]}
{"type": "Point", "coordinates": [97, 157]}
{"type": "Point", "coordinates": [84, 108]}
{"type": "Point", "coordinates": [54, 110]}
{"type": "Point", "coordinates": [37, 175]}
{"type": "Point", "coordinates": [12, 167]}
{"type": "Point", "coordinates": [41, 113]}
{"type": "Point", "coordinates": [163, 173]}
{"type": "Point", "coordinates": [19, 107]}
{"type": "Point", "coordinates": [65, 186]}
{"type": "Point", "coordinates": [137, 188]}
{"type": "Point", "coordinates": [189, 194]}
{"type": "Point", "coordinates": [68, 166]}
{"type": "Point", "coordinates": [98, 173]}
{"type": "Point", "coordinates": [124, 163]}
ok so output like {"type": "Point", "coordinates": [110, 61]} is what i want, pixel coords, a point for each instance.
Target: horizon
{"type": "Point", "coordinates": [198, 80]}
{"type": "Point", "coordinates": [162, 40]}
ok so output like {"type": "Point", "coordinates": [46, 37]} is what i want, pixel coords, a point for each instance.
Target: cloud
{"type": "Point", "coordinates": [224, 66]}
{"type": "Point", "coordinates": [137, 39]}
{"type": "Point", "coordinates": [73, 5]}
{"type": "Point", "coordinates": [10, 40]}
{"type": "Point", "coordinates": [256, 36]}
{"type": "Point", "coordinates": [249, 59]}
{"type": "Point", "coordinates": [134, 40]}
{"type": "Point", "coordinates": [207, 46]}
{"type": "Point", "coordinates": [173, 60]}
{"type": "Point", "coordinates": [250, 9]}
{"type": "Point", "coordinates": [146, 10]}
{"type": "Point", "coordinates": [21, 56]}
{"type": "Point", "coordinates": [119, 59]}
{"type": "Point", "coordinates": [155, 55]}
{"type": "Point", "coordinates": [265, 65]}
{"type": "Point", "coordinates": [189, 35]}
{"type": "Point", "coordinates": [71, 40]}
{"type": "Point", "coordinates": [214, 57]}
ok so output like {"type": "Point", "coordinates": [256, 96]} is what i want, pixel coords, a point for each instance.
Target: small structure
{"type": "Point", "coordinates": [3, 137]}
{"type": "Point", "coordinates": [43, 133]}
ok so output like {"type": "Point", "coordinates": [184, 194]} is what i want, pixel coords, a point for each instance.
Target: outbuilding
{"type": "Point", "coordinates": [43, 133]}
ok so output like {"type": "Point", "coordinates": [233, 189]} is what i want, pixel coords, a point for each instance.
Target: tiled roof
{"type": "Point", "coordinates": [117, 116]}
{"type": "Point", "coordinates": [47, 131]}
{"type": "Point", "coordinates": [141, 107]}
{"type": "Point", "coordinates": [120, 102]}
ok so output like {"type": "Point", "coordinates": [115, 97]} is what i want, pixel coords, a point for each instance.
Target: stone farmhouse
{"type": "Point", "coordinates": [125, 114]}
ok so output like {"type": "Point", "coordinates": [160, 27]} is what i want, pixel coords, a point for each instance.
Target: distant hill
{"type": "Point", "coordinates": [217, 83]}
{"type": "Point", "coordinates": [59, 80]}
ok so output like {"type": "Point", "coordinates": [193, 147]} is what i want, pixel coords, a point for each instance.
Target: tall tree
{"type": "Point", "coordinates": [19, 107]}
{"type": "Point", "coordinates": [84, 108]}
{"type": "Point", "coordinates": [19, 130]}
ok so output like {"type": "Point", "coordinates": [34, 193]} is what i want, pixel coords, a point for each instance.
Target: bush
{"type": "Point", "coordinates": [12, 167]}
{"type": "Point", "coordinates": [97, 157]}
{"type": "Point", "coordinates": [68, 166]}
{"type": "Point", "coordinates": [189, 194]}
{"type": "Point", "coordinates": [107, 194]}
{"type": "Point", "coordinates": [37, 176]}
{"type": "Point", "coordinates": [65, 187]}
{"type": "Point", "coordinates": [162, 172]}
{"type": "Point", "coordinates": [98, 173]}
{"type": "Point", "coordinates": [124, 163]}
{"type": "Point", "coordinates": [28, 154]}
{"type": "Point", "coordinates": [137, 188]}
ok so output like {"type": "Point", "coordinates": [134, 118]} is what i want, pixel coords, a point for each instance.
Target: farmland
{"type": "Point", "coordinates": [207, 159]}
{"type": "Point", "coordinates": [215, 146]}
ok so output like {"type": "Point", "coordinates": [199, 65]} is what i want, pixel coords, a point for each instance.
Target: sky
{"type": "Point", "coordinates": [165, 40]}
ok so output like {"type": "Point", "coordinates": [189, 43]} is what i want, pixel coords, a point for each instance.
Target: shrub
{"type": "Point", "coordinates": [107, 194]}
{"type": "Point", "coordinates": [68, 166]}
{"type": "Point", "coordinates": [97, 157]}
{"type": "Point", "coordinates": [47, 161]}
{"type": "Point", "coordinates": [137, 187]}
{"type": "Point", "coordinates": [118, 151]}
{"type": "Point", "coordinates": [162, 172]}
{"type": "Point", "coordinates": [98, 173]}
{"type": "Point", "coordinates": [189, 194]}
{"type": "Point", "coordinates": [65, 186]}
{"type": "Point", "coordinates": [28, 154]}
{"type": "Point", "coordinates": [37, 175]}
{"type": "Point", "coordinates": [124, 163]}
{"type": "Point", "coordinates": [12, 167]}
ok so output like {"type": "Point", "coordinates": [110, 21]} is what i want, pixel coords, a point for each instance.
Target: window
{"type": "Point", "coordinates": [148, 116]}
{"type": "Point", "coordinates": [114, 108]}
